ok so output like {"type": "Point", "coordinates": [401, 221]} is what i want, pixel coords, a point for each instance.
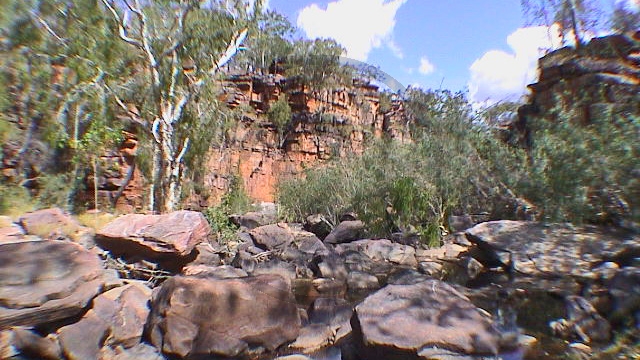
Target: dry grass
{"type": "Point", "coordinates": [47, 230]}
{"type": "Point", "coordinates": [5, 221]}
{"type": "Point", "coordinates": [95, 220]}
{"type": "Point", "coordinates": [16, 202]}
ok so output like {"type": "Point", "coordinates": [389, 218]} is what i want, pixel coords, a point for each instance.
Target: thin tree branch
{"type": "Point", "coordinates": [183, 151]}
{"type": "Point", "coordinates": [122, 31]}
{"type": "Point", "coordinates": [48, 28]}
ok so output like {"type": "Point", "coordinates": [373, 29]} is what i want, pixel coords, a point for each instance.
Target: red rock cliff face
{"type": "Point", "coordinates": [327, 124]}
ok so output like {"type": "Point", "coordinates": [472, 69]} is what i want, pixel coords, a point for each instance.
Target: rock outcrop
{"type": "Point", "coordinates": [410, 321]}
{"type": "Point", "coordinates": [554, 250]}
{"type": "Point", "coordinates": [195, 317]}
{"type": "Point", "coordinates": [603, 77]}
{"type": "Point", "coordinates": [331, 123]}
{"type": "Point", "coordinates": [154, 237]}
{"type": "Point", "coordinates": [46, 281]}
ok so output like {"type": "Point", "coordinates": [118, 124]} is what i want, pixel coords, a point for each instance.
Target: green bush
{"type": "Point", "coordinates": [587, 172]}
{"type": "Point", "coordinates": [280, 114]}
{"type": "Point", "coordinates": [410, 187]}
{"type": "Point", "coordinates": [234, 201]}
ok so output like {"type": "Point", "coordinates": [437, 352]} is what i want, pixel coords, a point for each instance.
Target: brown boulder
{"type": "Point", "coordinates": [9, 231]}
{"type": "Point", "coordinates": [116, 319]}
{"type": "Point", "coordinates": [558, 250]}
{"type": "Point", "coordinates": [403, 321]}
{"type": "Point", "coordinates": [346, 231]}
{"type": "Point", "coordinates": [199, 317]}
{"type": "Point", "coordinates": [271, 237]}
{"type": "Point", "coordinates": [46, 281]}
{"type": "Point", "coordinates": [52, 224]}
{"type": "Point", "coordinates": [154, 236]}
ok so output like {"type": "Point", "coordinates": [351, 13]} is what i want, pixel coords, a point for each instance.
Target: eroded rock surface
{"type": "Point", "coordinates": [403, 321]}
{"type": "Point", "coordinates": [154, 236]}
{"type": "Point", "coordinates": [540, 249]}
{"type": "Point", "coordinates": [46, 281]}
{"type": "Point", "coordinates": [197, 317]}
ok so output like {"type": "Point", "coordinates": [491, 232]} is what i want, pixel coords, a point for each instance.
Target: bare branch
{"type": "Point", "coordinates": [183, 151]}
{"type": "Point", "coordinates": [48, 28]}
{"type": "Point", "coordinates": [155, 130]}
{"type": "Point", "coordinates": [177, 113]}
{"type": "Point", "coordinates": [231, 50]}
{"type": "Point", "coordinates": [122, 31]}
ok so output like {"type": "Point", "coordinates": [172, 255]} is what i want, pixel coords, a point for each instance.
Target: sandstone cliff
{"type": "Point", "coordinates": [602, 78]}
{"type": "Point", "coordinates": [326, 124]}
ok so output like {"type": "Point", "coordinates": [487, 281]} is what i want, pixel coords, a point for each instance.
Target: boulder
{"type": "Point", "coordinates": [9, 231]}
{"type": "Point", "coordinates": [116, 319]}
{"type": "Point", "coordinates": [250, 220]}
{"type": "Point", "coordinates": [205, 317]}
{"type": "Point", "coordinates": [329, 266]}
{"type": "Point", "coordinates": [46, 281]}
{"type": "Point", "coordinates": [358, 281]}
{"type": "Point", "coordinates": [272, 237]}
{"type": "Point", "coordinates": [318, 225]}
{"type": "Point", "coordinates": [346, 231]}
{"type": "Point", "coordinates": [138, 352]}
{"type": "Point", "coordinates": [403, 321]}
{"type": "Point", "coordinates": [557, 250]}
{"type": "Point", "coordinates": [625, 295]}
{"type": "Point", "coordinates": [30, 344]}
{"type": "Point", "coordinates": [49, 223]}
{"type": "Point", "coordinates": [309, 243]}
{"type": "Point", "coordinates": [583, 322]}
{"type": "Point", "coordinates": [329, 323]}
{"type": "Point", "coordinates": [220, 272]}
{"type": "Point", "coordinates": [154, 237]}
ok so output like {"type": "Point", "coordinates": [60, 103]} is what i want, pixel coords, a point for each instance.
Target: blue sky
{"type": "Point", "coordinates": [479, 45]}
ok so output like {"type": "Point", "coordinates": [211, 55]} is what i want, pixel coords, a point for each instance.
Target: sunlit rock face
{"type": "Point", "coordinates": [601, 79]}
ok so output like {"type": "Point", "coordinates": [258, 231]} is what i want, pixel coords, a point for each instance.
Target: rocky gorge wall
{"type": "Point", "coordinates": [326, 124]}
{"type": "Point", "coordinates": [600, 79]}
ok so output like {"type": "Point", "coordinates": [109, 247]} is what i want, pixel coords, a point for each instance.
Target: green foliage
{"type": "Point", "coordinates": [587, 172]}
{"type": "Point", "coordinates": [316, 64]}
{"type": "Point", "coordinates": [280, 114]}
{"type": "Point", "coordinates": [453, 166]}
{"type": "Point", "coordinates": [233, 202]}
{"type": "Point", "coordinates": [55, 189]}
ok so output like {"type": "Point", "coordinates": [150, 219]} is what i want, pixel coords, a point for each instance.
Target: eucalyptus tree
{"type": "Point", "coordinates": [57, 58]}
{"type": "Point", "coordinates": [182, 46]}
{"type": "Point", "coordinates": [316, 64]}
{"type": "Point", "coordinates": [270, 41]}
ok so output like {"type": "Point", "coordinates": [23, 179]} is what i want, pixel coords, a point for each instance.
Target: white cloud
{"type": "Point", "coordinates": [426, 67]}
{"type": "Point", "coordinates": [358, 25]}
{"type": "Point", "coordinates": [395, 49]}
{"type": "Point", "coordinates": [500, 75]}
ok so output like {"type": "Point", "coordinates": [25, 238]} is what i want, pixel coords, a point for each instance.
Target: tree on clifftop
{"type": "Point", "coordinates": [182, 45]}
{"type": "Point", "coordinates": [575, 17]}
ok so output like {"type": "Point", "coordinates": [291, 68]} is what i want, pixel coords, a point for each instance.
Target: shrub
{"type": "Point", "coordinates": [280, 114]}
{"type": "Point", "coordinates": [234, 201]}
{"type": "Point", "coordinates": [587, 172]}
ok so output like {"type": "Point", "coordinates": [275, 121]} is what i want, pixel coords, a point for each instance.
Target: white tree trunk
{"type": "Point", "coordinates": [170, 98]}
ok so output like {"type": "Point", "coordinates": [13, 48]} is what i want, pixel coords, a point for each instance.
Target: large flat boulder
{"type": "Point", "coordinates": [195, 317]}
{"type": "Point", "coordinates": [154, 236]}
{"type": "Point", "coordinates": [540, 249]}
{"type": "Point", "coordinates": [407, 321]}
{"type": "Point", "coordinates": [46, 281]}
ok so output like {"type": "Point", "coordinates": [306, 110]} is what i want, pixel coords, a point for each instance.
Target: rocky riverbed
{"type": "Point", "coordinates": [161, 287]}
